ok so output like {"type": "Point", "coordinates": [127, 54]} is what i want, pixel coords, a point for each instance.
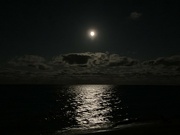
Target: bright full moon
{"type": "Point", "coordinates": [92, 33]}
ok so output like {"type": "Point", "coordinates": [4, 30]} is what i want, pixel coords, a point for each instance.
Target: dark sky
{"type": "Point", "coordinates": [142, 29]}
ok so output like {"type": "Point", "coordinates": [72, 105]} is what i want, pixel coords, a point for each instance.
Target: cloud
{"type": "Point", "coordinates": [116, 60]}
{"type": "Point", "coordinates": [164, 66]}
{"type": "Point", "coordinates": [79, 59]}
{"type": "Point", "coordinates": [168, 61]}
{"type": "Point", "coordinates": [135, 15]}
{"type": "Point", "coordinates": [33, 61]}
{"type": "Point", "coordinates": [90, 67]}
{"type": "Point", "coordinates": [76, 59]}
{"type": "Point", "coordinates": [97, 59]}
{"type": "Point", "coordinates": [164, 61]}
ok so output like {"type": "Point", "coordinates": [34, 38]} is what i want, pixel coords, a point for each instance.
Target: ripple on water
{"type": "Point", "coordinates": [91, 106]}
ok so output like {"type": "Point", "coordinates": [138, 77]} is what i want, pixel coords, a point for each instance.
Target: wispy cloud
{"type": "Point", "coordinates": [135, 15]}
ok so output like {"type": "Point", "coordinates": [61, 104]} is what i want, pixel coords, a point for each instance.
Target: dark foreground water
{"type": "Point", "coordinates": [53, 109]}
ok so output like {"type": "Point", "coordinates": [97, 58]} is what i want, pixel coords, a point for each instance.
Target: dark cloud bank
{"type": "Point", "coordinates": [90, 67]}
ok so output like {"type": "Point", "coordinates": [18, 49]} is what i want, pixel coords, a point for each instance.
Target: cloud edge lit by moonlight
{"type": "Point", "coordinates": [88, 67]}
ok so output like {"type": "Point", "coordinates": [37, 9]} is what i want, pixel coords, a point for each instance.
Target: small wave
{"type": "Point", "coordinates": [77, 131]}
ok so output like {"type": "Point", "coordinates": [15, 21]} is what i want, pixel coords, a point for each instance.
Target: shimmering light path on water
{"type": "Point", "coordinates": [93, 106]}
{"type": "Point", "coordinates": [92, 109]}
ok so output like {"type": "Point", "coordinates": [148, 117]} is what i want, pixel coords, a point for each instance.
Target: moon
{"type": "Point", "coordinates": [92, 33]}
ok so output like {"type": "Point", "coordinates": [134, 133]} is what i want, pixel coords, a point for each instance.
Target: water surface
{"type": "Point", "coordinates": [51, 109]}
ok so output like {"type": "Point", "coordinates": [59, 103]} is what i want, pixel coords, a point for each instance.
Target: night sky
{"type": "Point", "coordinates": [139, 29]}
{"type": "Point", "coordinates": [135, 42]}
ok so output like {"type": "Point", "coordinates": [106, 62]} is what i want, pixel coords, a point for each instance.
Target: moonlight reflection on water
{"type": "Point", "coordinates": [92, 108]}
{"type": "Point", "coordinates": [95, 105]}
{"type": "Point", "coordinates": [87, 107]}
